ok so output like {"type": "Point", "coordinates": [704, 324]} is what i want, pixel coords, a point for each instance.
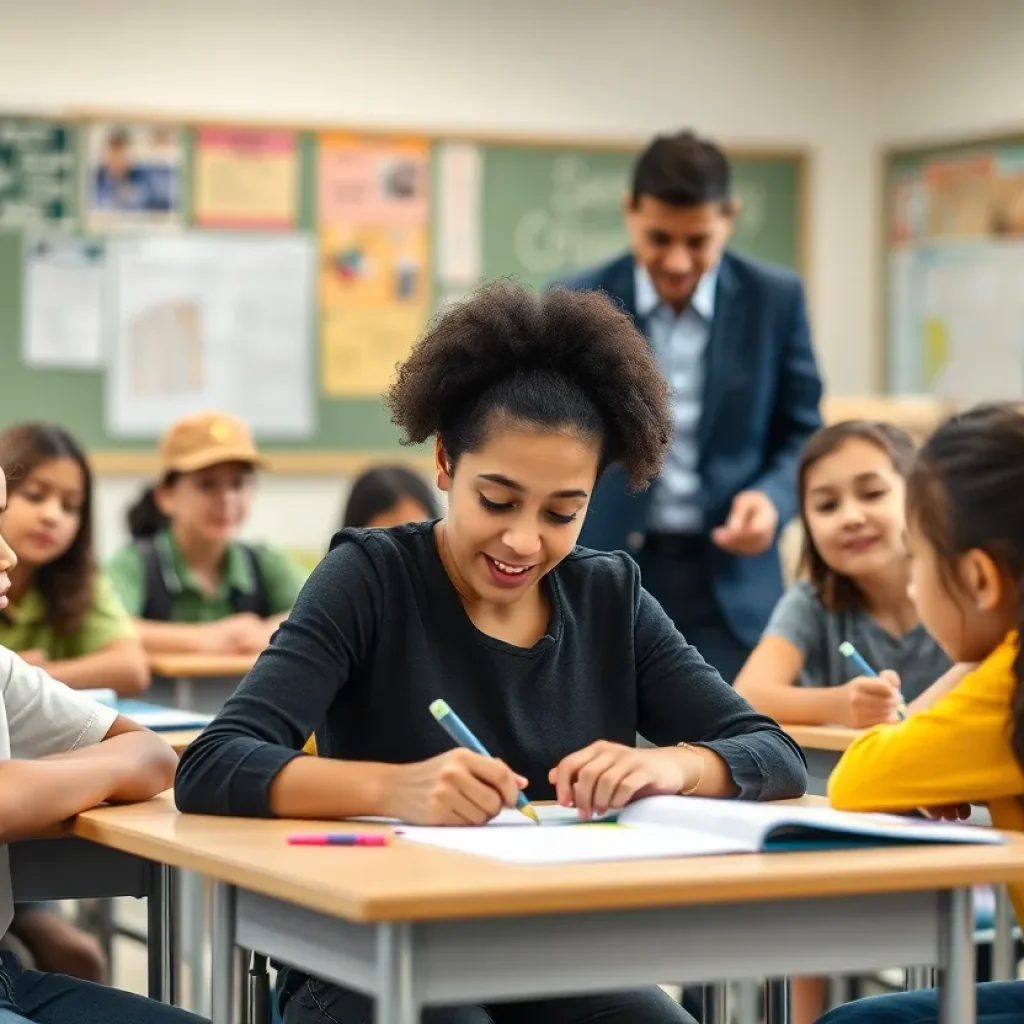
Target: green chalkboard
{"type": "Point", "coordinates": [544, 210]}
{"type": "Point", "coordinates": [549, 211]}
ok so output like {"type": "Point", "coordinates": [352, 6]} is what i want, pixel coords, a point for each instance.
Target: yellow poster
{"type": "Point", "coordinates": [246, 178]}
{"type": "Point", "coordinates": [359, 348]}
{"type": "Point", "coordinates": [375, 300]}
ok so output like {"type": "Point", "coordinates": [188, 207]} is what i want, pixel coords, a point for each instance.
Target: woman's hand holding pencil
{"type": "Point", "coordinates": [871, 700]}
{"type": "Point", "coordinates": [458, 787]}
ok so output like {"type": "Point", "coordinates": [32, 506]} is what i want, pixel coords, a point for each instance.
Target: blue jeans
{"type": "Point", "coordinates": [316, 1002]}
{"type": "Point", "coordinates": [999, 1002]}
{"type": "Point", "coordinates": [32, 996]}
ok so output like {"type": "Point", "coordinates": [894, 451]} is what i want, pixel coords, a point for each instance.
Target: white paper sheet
{"type": "Point", "coordinates": [64, 294]}
{"type": "Point", "coordinates": [458, 222]}
{"type": "Point", "coordinates": [575, 843]}
{"type": "Point", "coordinates": [212, 322]}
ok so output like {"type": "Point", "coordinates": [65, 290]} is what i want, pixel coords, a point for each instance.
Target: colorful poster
{"type": "Point", "coordinates": [133, 176]}
{"type": "Point", "coordinates": [37, 174]}
{"type": "Point", "coordinates": [375, 289]}
{"type": "Point", "coordinates": [373, 181]}
{"type": "Point", "coordinates": [375, 297]}
{"type": "Point", "coordinates": [246, 178]}
{"type": "Point", "coordinates": [961, 196]}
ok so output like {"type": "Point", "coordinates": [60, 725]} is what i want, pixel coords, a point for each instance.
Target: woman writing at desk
{"type": "Point", "coordinates": [554, 655]}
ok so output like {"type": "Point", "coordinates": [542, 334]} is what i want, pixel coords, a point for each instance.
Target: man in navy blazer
{"type": "Point", "coordinates": [732, 337]}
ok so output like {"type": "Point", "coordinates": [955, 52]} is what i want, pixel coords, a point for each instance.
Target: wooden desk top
{"type": "Point", "coordinates": [406, 882]}
{"type": "Point", "coordinates": [179, 738]}
{"type": "Point", "coordinates": [822, 737]}
{"type": "Point", "coordinates": [200, 666]}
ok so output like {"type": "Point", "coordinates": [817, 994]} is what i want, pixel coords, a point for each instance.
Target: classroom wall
{"type": "Point", "coordinates": [774, 72]}
{"type": "Point", "coordinates": [949, 68]}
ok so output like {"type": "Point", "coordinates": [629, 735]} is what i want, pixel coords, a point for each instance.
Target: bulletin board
{"type": "Point", "coordinates": [152, 266]}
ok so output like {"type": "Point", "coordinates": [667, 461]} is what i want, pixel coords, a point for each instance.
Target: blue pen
{"type": "Point", "coordinates": [457, 729]}
{"type": "Point", "coordinates": [847, 650]}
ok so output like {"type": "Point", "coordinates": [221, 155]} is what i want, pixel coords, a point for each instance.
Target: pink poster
{"type": "Point", "coordinates": [372, 181]}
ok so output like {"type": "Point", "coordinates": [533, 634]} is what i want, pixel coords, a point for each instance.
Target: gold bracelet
{"type": "Point", "coordinates": [700, 770]}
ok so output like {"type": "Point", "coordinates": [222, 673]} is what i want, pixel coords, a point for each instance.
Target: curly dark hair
{"type": "Point", "coordinates": [559, 360]}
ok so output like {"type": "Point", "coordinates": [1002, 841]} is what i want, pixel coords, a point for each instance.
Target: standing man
{"type": "Point", "coordinates": [732, 338]}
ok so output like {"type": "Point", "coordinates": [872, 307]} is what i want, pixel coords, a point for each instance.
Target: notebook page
{"type": "Point", "coordinates": [753, 823]}
{"type": "Point", "coordinates": [581, 844]}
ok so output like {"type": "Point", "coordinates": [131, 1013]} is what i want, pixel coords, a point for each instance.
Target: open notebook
{"type": "Point", "coordinates": [674, 826]}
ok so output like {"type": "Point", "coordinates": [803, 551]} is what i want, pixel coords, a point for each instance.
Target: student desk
{"type": "Point", "coordinates": [184, 669]}
{"type": "Point", "coordinates": [60, 866]}
{"type": "Point", "coordinates": [179, 739]}
{"type": "Point", "coordinates": [413, 926]}
{"type": "Point", "coordinates": [822, 746]}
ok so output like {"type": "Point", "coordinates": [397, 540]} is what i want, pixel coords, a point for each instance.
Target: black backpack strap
{"type": "Point", "coordinates": [257, 600]}
{"type": "Point", "coordinates": [157, 606]}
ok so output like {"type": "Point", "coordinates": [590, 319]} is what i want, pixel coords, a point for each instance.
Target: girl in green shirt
{"type": "Point", "coordinates": [62, 615]}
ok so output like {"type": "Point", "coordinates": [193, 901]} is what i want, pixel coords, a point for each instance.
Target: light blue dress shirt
{"type": "Point", "coordinates": [679, 342]}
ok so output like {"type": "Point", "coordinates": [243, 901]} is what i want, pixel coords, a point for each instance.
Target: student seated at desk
{"type": "Point", "coordinates": [553, 654]}
{"type": "Point", "coordinates": [62, 615]}
{"type": "Point", "coordinates": [852, 486]}
{"type": "Point", "coordinates": [191, 584]}
{"type": "Point", "coordinates": [389, 496]}
{"type": "Point", "coordinates": [851, 490]}
{"type": "Point", "coordinates": [61, 753]}
{"type": "Point", "coordinates": [965, 744]}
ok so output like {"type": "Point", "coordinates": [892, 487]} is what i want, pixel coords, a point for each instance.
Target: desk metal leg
{"type": "Point", "coordinates": [160, 912]}
{"type": "Point", "coordinates": [223, 987]}
{"type": "Point", "coordinates": [396, 1000]}
{"type": "Point", "coordinates": [956, 958]}
{"type": "Point", "coordinates": [776, 1001]}
{"type": "Point", "coordinates": [184, 693]}
{"type": "Point", "coordinates": [1003, 945]}
{"type": "Point", "coordinates": [716, 1009]}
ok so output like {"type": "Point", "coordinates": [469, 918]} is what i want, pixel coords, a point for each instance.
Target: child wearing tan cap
{"type": "Point", "coordinates": [190, 583]}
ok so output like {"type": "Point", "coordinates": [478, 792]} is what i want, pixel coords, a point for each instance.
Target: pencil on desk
{"type": "Point", "coordinates": [457, 729]}
{"type": "Point", "coordinates": [847, 650]}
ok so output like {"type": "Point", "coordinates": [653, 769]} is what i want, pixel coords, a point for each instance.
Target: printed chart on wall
{"type": "Point", "coordinates": [956, 264]}
{"type": "Point", "coordinates": [206, 321]}
{"type": "Point", "coordinates": [375, 293]}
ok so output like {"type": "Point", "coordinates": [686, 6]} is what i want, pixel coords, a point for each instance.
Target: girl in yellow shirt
{"type": "Point", "coordinates": [965, 744]}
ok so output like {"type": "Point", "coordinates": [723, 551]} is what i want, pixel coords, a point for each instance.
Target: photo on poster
{"type": "Point", "coordinates": [133, 176]}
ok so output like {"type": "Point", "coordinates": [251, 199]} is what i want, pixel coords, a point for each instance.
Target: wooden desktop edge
{"type": "Point", "coordinates": [405, 882]}
{"type": "Point", "coordinates": [200, 666]}
{"type": "Point", "coordinates": [822, 737]}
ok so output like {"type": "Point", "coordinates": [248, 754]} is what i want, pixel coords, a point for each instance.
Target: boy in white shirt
{"type": "Point", "coordinates": [61, 753]}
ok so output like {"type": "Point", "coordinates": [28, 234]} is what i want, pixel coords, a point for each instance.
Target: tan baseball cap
{"type": "Point", "coordinates": [207, 439]}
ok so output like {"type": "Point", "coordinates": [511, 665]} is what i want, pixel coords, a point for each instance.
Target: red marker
{"type": "Point", "coordinates": [340, 839]}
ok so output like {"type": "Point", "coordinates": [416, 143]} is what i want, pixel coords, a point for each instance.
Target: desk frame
{"type": "Point", "coordinates": [406, 967]}
{"type": "Point", "coordinates": [69, 868]}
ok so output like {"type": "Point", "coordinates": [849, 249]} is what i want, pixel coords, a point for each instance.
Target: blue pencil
{"type": "Point", "coordinates": [459, 732]}
{"type": "Point", "coordinates": [847, 650]}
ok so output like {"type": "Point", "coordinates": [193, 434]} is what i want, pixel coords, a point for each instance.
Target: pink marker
{"type": "Point", "coordinates": [340, 839]}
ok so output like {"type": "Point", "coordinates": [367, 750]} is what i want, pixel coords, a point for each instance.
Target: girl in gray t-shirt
{"type": "Point", "coordinates": [851, 487]}
{"type": "Point", "coordinates": [851, 483]}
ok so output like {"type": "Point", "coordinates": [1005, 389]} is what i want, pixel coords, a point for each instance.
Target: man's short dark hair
{"type": "Point", "coordinates": [682, 170]}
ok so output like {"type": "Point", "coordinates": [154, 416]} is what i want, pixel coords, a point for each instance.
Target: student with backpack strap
{"type": "Point", "coordinates": [190, 583]}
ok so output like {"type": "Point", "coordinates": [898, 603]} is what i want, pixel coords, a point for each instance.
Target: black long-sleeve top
{"type": "Point", "coordinates": [379, 632]}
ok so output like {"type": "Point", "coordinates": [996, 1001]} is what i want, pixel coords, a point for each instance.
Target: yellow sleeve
{"type": "Point", "coordinates": [957, 751]}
